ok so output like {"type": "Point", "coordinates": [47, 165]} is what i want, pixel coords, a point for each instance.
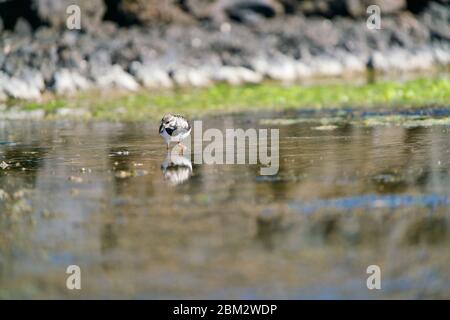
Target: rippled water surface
{"type": "Point", "coordinates": [353, 189]}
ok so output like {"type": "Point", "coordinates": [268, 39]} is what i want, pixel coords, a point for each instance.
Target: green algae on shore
{"type": "Point", "coordinates": [266, 96]}
{"type": "Point", "coordinates": [331, 123]}
{"type": "Point", "coordinates": [404, 121]}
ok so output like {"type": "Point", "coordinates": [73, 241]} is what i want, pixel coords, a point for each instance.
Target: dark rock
{"type": "Point", "coordinates": [248, 11]}
{"type": "Point", "coordinates": [417, 6]}
{"type": "Point", "coordinates": [32, 77]}
{"type": "Point", "coordinates": [22, 27]}
{"type": "Point", "coordinates": [113, 76]}
{"type": "Point", "coordinates": [437, 19]}
{"type": "Point", "coordinates": [324, 8]}
{"type": "Point", "coordinates": [147, 12]}
{"type": "Point", "coordinates": [398, 59]}
{"type": "Point", "coordinates": [236, 75]}
{"type": "Point", "coordinates": [19, 88]}
{"type": "Point", "coordinates": [441, 53]}
{"type": "Point", "coordinates": [69, 81]}
{"type": "Point", "coordinates": [415, 29]}
{"type": "Point", "coordinates": [358, 8]}
{"type": "Point", "coordinates": [55, 14]}
{"type": "Point", "coordinates": [116, 14]}
{"type": "Point", "coordinates": [201, 9]}
{"type": "Point", "coordinates": [289, 6]}
{"type": "Point", "coordinates": [315, 30]}
{"type": "Point", "coordinates": [12, 10]}
{"type": "Point", "coordinates": [151, 75]}
{"type": "Point", "coordinates": [125, 56]}
{"type": "Point", "coordinates": [2, 58]}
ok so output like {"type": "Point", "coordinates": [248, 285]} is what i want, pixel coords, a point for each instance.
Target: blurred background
{"type": "Point", "coordinates": [364, 175]}
{"type": "Point", "coordinates": [132, 43]}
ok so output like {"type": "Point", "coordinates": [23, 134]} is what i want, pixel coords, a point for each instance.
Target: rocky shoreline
{"type": "Point", "coordinates": [229, 43]}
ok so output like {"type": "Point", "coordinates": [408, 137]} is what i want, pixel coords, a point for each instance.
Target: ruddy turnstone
{"type": "Point", "coordinates": [174, 128]}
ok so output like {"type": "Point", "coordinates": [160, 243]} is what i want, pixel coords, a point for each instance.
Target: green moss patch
{"type": "Point", "coordinates": [267, 96]}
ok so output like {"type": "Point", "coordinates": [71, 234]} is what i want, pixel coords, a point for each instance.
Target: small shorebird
{"type": "Point", "coordinates": [174, 128]}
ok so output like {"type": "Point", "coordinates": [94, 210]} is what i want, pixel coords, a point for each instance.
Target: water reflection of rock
{"type": "Point", "coordinates": [176, 169]}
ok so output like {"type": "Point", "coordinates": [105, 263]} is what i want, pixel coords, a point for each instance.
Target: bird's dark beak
{"type": "Point", "coordinates": [161, 128]}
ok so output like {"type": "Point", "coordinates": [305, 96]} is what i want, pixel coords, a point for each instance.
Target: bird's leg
{"type": "Point", "coordinates": [182, 146]}
{"type": "Point", "coordinates": [167, 146]}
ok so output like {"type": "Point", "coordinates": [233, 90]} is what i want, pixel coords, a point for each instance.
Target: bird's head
{"type": "Point", "coordinates": [167, 119]}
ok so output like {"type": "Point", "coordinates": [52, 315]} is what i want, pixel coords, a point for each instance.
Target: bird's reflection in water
{"type": "Point", "coordinates": [176, 169]}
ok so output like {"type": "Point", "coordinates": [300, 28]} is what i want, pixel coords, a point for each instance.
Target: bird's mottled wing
{"type": "Point", "coordinates": [182, 123]}
{"type": "Point", "coordinates": [182, 126]}
{"type": "Point", "coordinates": [178, 132]}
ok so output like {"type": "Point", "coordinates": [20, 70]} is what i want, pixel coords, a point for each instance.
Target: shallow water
{"type": "Point", "coordinates": [354, 188]}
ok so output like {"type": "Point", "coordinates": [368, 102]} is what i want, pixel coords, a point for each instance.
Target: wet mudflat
{"type": "Point", "coordinates": [354, 188]}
